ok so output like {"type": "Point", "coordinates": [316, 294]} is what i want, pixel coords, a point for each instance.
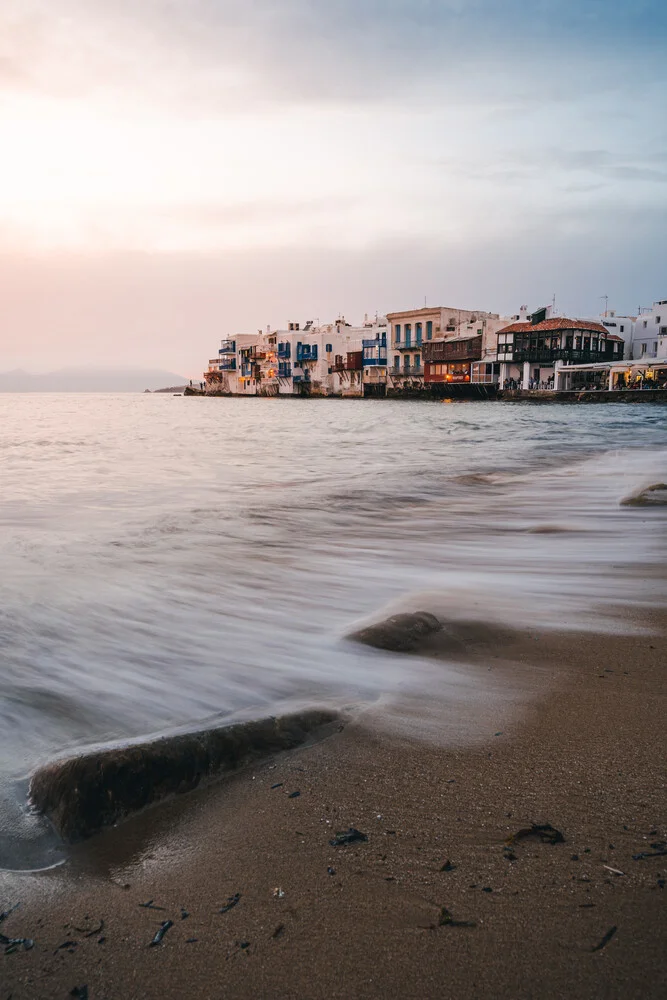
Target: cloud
{"type": "Point", "coordinates": [231, 54]}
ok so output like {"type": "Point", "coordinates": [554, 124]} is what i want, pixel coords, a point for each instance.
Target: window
{"type": "Point", "coordinates": [644, 346]}
{"type": "Point", "coordinates": [655, 346]}
{"type": "Point", "coordinates": [328, 348]}
{"type": "Point", "coordinates": [594, 344]}
{"type": "Point", "coordinates": [397, 333]}
{"type": "Point", "coordinates": [657, 319]}
{"type": "Point", "coordinates": [645, 324]}
{"type": "Point", "coordinates": [418, 333]}
{"type": "Point", "coordinates": [408, 334]}
{"type": "Point", "coordinates": [622, 328]}
{"type": "Point", "coordinates": [663, 331]}
{"type": "Point", "coordinates": [418, 361]}
{"type": "Point", "coordinates": [406, 363]}
{"type": "Point", "coordinates": [429, 329]}
{"type": "Point", "coordinates": [397, 361]}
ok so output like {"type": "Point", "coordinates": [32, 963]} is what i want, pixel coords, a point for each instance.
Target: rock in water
{"type": "Point", "coordinates": [649, 496]}
{"type": "Point", "coordinates": [82, 794]}
{"type": "Point", "coordinates": [403, 633]}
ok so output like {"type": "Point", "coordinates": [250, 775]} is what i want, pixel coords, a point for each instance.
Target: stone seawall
{"type": "Point", "coordinates": [584, 396]}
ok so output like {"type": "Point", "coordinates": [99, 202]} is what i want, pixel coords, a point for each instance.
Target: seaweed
{"type": "Point", "coordinates": [231, 903]}
{"type": "Point", "coordinates": [545, 832]}
{"type": "Point", "coordinates": [350, 836]}
{"type": "Point", "coordinates": [161, 933]}
{"type": "Point", "coordinates": [606, 939]}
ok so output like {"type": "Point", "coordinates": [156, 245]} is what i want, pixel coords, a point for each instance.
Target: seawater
{"type": "Point", "coordinates": [168, 559]}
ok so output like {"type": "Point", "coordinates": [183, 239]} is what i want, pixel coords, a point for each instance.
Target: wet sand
{"type": "Point", "coordinates": [587, 754]}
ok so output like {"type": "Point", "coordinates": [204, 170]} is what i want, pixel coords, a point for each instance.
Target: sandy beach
{"type": "Point", "coordinates": [434, 902]}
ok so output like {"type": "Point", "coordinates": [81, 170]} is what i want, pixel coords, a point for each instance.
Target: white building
{"type": "Point", "coordinates": [649, 337]}
{"type": "Point", "coordinates": [622, 326]}
{"type": "Point", "coordinates": [223, 372]}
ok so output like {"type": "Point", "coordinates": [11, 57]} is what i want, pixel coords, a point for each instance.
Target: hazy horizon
{"type": "Point", "coordinates": [172, 174]}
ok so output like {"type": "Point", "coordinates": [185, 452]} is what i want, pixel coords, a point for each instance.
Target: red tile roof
{"type": "Point", "coordinates": [558, 323]}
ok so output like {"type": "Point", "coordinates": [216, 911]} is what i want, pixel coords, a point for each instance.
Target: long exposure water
{"type": "Point", "coordinates": [169, 559]}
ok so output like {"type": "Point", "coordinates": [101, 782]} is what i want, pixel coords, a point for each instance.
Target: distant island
{"type": "Point", "coordinates": [93, 380]}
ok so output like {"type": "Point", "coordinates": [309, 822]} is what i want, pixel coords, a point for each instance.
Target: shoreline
{"type": "Point", "coordinates": [586, 756]}
{"type": "Point", "coordinates": [490, 394]}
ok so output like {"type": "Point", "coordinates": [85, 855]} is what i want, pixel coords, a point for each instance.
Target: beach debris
{"type": "Point", "coordinates": [658, 850]}
{"type": "Point", "coordinates": [278, 784]}
{"type": "Point", "coordinates": [448, 866]}
{"type": "Point", "coordinates": [150, 905]}
{"type": "Point", "coordinates": [191, 940]}
{"type": "Point", "coordinates": [614, 871]}
{"type": "Point", "coordinates": [331, 871]}
{"type": "Point", "coordinates": [446, 919]}
{"type": "Point", "coordinates": [66, 945]}
{"type": "Point", "coordinates": [509, 854]}
{"type": "Point", "coordinates": [7, 913]}
{"type": "Point", "coordinates": [13, 944]}
{"type": "Point", "coordinates": [184, 914]}
{"type": "Point", "coordinates": [605, 940]}
{"type": "Point", "coordinates": [544, 832]}
{"type": "Point", "coordinates": [574, 857]}
{"type": "Point", "coordinates": [350, 836]}
{"type": "Point", "coordinates": [487, 888]}
{"type": "Point", "coordinates": [84, 793]}
{"type": "Point", "coordinates": [232, 901]}
{"type": "Point", "coordinates": [402, 633]}
{"type": "Point", "coordinates": [161, 933]}
{"type": "Point", "coordinates": [498, 734]}
{"type": "Point", "coordinates": [80, 992]}
{"type": "Point", "coordinates": [89, 931]}
{"type": "Point", "coordinates": [244, 944]}
{"type": "Point", "coordinates": [278, 892]}
{"type": "Point", "coordinates": [586, 906]}
{"type": "Point", "coordinates": [278, 931]}
{"type": "Point", "coordinates": [294, 795]}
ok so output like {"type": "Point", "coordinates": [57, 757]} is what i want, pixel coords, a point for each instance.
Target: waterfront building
{"type": "Point", "coordinates": [531, 350]}
{"type": "Point", "coordinates": [450, 360]}
{"type": "Point", "coordinates": [622, 326]}
{"type": "Point", "coordinates": [411, 332]}
{"type": "Point", "coordinates": [649, 335]}
{"type": "Point", "coordinates": [610, 375]}
{"type": "Point", "coordinates": [315, 359]}
{"type": "Point", "coordinates": [223, 372]}
{"type": "Point", "coordinates": [374, 360]}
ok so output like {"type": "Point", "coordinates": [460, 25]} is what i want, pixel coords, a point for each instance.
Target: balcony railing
{"type": "Point", "coordinates": [306, 352]}
{"type": "Point", "coordinates": [284, 370]}
{"type": "Point", "coordinates": [406, 372]}
{"type": "Point", "coordinates": [227, 347]}
{"type": "Point", "coordinates": [379, 341]}
{"type": "Point", "coordinates": [227, 364]}
{"type": "Point", "coordinates": [285, 350]}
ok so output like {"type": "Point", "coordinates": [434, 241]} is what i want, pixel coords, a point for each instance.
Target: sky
{"type": "Point", "coordinates": [176, 171]}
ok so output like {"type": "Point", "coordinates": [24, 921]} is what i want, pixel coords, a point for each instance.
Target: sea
{"type": "Point", "coordinates": [168, 560]}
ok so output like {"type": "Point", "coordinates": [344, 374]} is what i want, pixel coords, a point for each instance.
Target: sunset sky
{"type": "Point", "coordinates": [173, 172]}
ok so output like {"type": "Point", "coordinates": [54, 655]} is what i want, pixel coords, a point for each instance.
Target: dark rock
{"type": "Point", "coordinates": [649, 496]}
{"type": "Point", "coordinates": [82, 794]}
{"type": "Point", "coordinates": [402, 633]}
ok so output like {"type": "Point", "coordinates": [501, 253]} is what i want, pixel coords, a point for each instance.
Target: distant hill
{"type": "Point", "coordinates": [89, 380]}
